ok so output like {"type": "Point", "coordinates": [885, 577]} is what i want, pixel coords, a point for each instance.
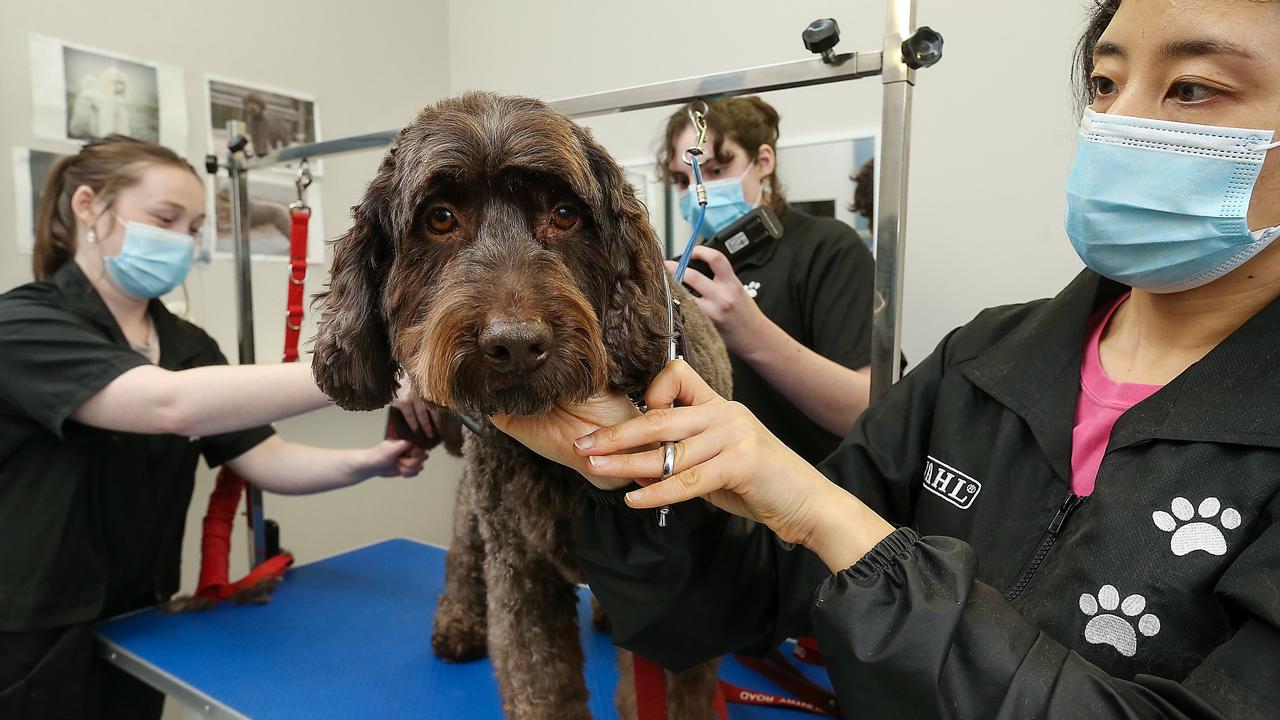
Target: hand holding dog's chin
{"type": "Point", "coordinates": [551, 434]}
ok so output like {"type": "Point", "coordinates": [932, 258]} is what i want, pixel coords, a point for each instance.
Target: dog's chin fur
{"type": "Point", "coordinates": [479, 390]}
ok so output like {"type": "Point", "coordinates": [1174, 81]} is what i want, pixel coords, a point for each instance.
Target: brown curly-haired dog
{"type": "Point", "coordinates": [500, 258]}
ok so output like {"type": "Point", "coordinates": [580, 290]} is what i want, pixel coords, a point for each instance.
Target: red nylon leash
{"type": "Point", "coordinates": [806, 695]}
{"type": "Point", "coordinates": [297, 276]}
{"type": "Point", "coordinates": [219, 519]}
{"type": "Point", "coordinates": [807, 651]}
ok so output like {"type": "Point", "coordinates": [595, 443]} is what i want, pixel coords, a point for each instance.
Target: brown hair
{"type": "Point", "coordinates": [864, 193]}
{"type": "Point", "coordinates": [748, 121]}
{"type": "Point", "coordinates": [106, 166]}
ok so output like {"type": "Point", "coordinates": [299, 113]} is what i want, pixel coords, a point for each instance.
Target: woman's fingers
{"type": "Point", "coordinates": [648, 463]}
{"type": "Point", "coordinates": [697, 481]}
{"type": "Point", "coordinates": [425, 419]}
{"type": "Point", "coordinates": [658, 425]}
{"type": "Point", "coordinates": [678, 384]}
{"type": "Point", "coordinates": [720, 265]}
{"type": "Point", "coordinates": [700, 283]}
{"type": "Point", "coordinates": [407, 413]}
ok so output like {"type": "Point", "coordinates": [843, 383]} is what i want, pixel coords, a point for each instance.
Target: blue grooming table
{"type": "Point", "coordinates": [348, 637]}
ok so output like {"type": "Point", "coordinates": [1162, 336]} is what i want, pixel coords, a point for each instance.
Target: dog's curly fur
{"type": "Point", "coordinates": [490, 210]}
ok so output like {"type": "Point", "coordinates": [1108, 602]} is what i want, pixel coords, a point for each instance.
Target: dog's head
{"type": "Point", "coordinates": [254, 105]}
{"type": "Point", "coordinates": [501, 259]}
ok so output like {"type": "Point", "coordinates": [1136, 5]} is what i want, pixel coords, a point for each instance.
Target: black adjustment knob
{"type": "Point", "coordinates": [922, 49]}
{"type": "Point", "coordinates": [821, 36]}
{"type": "Point", "coordinates": [237, 143]}
{"type": "Point", "coordinates": [211, 164]}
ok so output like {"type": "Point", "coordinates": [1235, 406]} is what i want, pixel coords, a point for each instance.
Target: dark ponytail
{"type": "Point", "coordinates": [106, 166]}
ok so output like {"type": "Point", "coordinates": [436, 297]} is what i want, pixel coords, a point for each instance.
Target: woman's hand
{"type": "Point", "coordinates": [418, 415]}
{"type": "Point", "coordinates": [724, 300]}
{"type": "Point", "coordinates": [551, 434]}
{"type": "Point", "coordinates": [391, 458]}
{"type": "Point", "coordinates": [726, 456]}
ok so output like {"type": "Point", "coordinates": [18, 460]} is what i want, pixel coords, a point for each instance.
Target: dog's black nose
{"type": "Point", "coordinates": [515, 345]}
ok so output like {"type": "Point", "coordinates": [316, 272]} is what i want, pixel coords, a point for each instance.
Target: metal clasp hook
{"type": "Point", "coordinates": [302, 182]}
{"type": "Point", "coordinates": [698, 118]}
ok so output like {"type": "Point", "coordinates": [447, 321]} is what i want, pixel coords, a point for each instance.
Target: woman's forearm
{"type": "Point", "coordinates": [203, 400]}
{"type": "Point", "coordinates": [845, 529]}
{"type": "Point", "coordinates": [232, 397]}
{"type": "Point", "coordinates": [286, 468]}
{"type": "Point", "coordinates": [828, 393]}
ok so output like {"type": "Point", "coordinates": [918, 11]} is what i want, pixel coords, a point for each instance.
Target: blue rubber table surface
{"type": "Point", "coordinates": [349, 637]}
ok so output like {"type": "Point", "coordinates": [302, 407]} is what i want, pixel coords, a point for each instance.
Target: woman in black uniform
{"type": "Point", "coordinates": [1071, 509]}
{"type": "Point", "coordinates": [795, 315]}
{"type": "Point", "coordinates": [106, 400]}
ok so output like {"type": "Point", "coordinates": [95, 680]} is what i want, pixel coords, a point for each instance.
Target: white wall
{"type": "Point", "coordinates": [371, 67]}
{"type": "Point", "coordinates": [992, 133]}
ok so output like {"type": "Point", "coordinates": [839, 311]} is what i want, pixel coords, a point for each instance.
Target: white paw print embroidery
{"type": "Point", "coordinates": [1200, 535]}
{"type": "Point", "coordinates": [1117, 630]}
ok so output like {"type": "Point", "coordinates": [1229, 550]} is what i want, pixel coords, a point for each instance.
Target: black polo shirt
{"type": "Point", "coordinates": [91, 520]}
{"type": "Point", "coordinates": [816, 283]}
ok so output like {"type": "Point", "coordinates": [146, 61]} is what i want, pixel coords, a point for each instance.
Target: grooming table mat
{"type": "Point", "coordinates": [349, 637]}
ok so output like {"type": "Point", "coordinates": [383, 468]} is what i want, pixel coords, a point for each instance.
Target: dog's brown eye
{"type": "Point", "coordinates": [441, 220]}
{"type": "Point", "coordinates": [564, 217]}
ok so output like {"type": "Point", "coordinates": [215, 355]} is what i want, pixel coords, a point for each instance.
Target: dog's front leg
{"type": "Point", "coordinates": [533, 636]}
{"type": "Point", "coordinates": [690, 694]}
{"type": "Point", "coordinates": [461, 624]}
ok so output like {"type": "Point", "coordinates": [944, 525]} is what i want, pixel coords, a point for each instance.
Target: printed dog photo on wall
{"type": "Point", "coordinates": [83, 94]}
{"type": "Point", "coordinates": [30, 170]}
{"type": "Point", "coordinates": [270, 218]}
{"type": "Point", "coordinates": [273, 118]}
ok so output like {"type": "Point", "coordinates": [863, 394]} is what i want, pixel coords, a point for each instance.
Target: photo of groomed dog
{"type": "Point", "coordinates": [269, 218]}
{"type": "Point", "coordinates": [502, 261]}
{"type": "Point", "coordinates": [273, 119]}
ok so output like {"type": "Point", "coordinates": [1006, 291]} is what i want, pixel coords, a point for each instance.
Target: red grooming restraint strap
{"type": "Point", "coordinates": [297, 275]}
{"type": "Point", "coordinates": [651, 689]}
{"type": "Point", "coordinates": [215, 545]}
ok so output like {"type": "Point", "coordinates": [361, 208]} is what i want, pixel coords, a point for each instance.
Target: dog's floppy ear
{"type": "Point", "coordinates": [352, 362]}
{"type": "Point", "coordinates": [635, 330]}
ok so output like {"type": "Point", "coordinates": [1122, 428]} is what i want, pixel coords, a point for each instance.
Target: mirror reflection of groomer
{"type": "Point", "coordinates": [795, 314]}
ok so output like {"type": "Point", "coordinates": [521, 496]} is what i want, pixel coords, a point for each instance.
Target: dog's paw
{"type": "Point", "coordinates": [459, 639]}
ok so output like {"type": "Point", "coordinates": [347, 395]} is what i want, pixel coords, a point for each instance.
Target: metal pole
{"type": "Point", "coordinates": [240, 224]}
{"type": "Point", "coordinates": [766, 78]}
{"type": "Point", "coordinates": [891, 219]}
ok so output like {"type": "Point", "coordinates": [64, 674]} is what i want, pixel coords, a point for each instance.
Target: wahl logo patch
{"type": "Point", "coordinates": [950, 484]}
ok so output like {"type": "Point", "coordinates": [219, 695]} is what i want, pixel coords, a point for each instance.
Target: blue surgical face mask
{"type": "Point", "coordinates": [152, 260]}
{"type": "Point", "coordinates": [1161, 206]}
{"type": "Point", "coordinates": [725, 203]}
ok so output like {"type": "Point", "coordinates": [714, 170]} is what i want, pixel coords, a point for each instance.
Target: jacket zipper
{"type": "Point", "coordinates": [1046, 543]}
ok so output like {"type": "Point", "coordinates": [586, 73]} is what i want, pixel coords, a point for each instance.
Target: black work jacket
{"type": "Point", "coordinates": [91, 520]}
{"type": "Point", "coordinates": [1002, 595]}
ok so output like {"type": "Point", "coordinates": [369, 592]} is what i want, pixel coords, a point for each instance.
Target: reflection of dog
{"type": "Point", "coordinates": [101, 108]}
{"type": "Point", "coordinates": [261, 212]}
{"type": "Point", "coordinates": [500, 257]}
{"type": "Point", "coordinates": [266, 133]}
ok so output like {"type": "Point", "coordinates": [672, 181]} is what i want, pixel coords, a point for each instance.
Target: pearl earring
{"type": "Point", "coordinates": [91, 236]}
